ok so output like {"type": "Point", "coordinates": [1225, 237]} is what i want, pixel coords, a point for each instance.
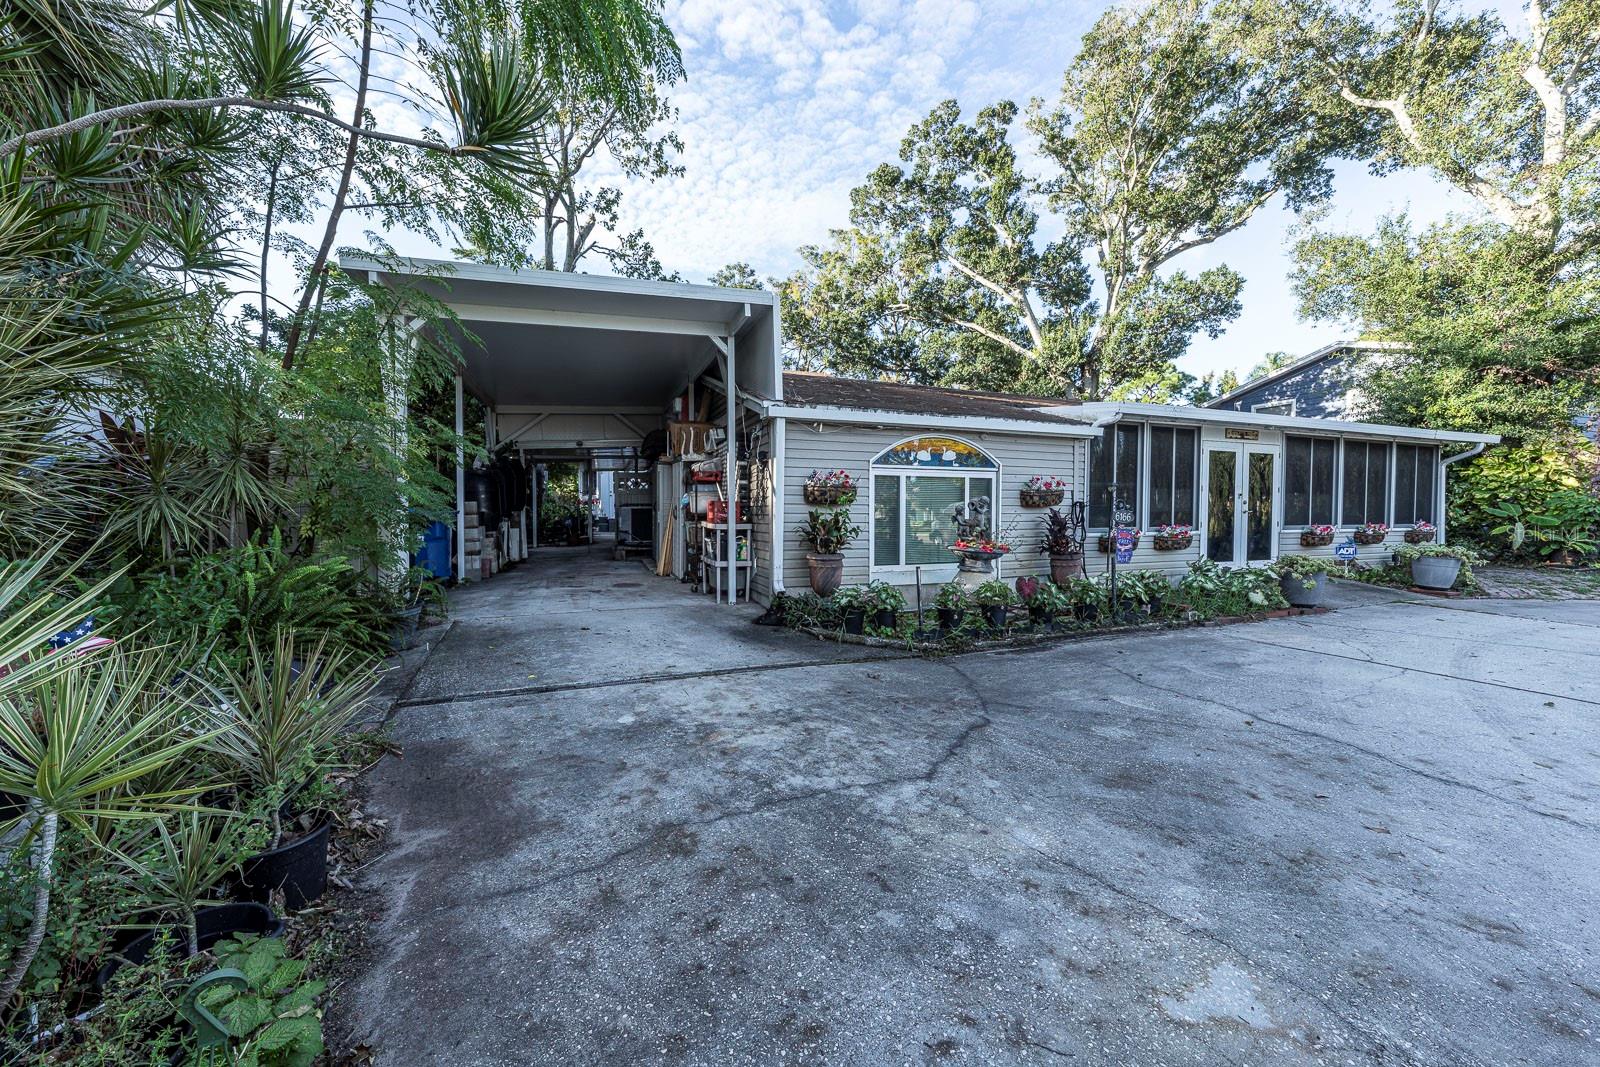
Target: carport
{"type": "Point", "coordinates": [579, 365]}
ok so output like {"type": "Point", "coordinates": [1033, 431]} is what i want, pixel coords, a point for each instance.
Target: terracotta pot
{"type": "Point", "coordinates": [1065, 566]}
{"type": "Point", "coordinates": [827, 572]}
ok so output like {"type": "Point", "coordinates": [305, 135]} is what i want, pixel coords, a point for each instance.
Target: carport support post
{"type": "Point", "coordinates": [461, 485]}
{"type": "Point", "coordinates": [732, 477]}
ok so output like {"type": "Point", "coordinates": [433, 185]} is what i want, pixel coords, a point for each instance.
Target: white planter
{"type": "Point", "coordinates": [1435, 572]}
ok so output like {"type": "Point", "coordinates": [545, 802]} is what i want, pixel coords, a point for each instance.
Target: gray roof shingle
{"type": "Point", "coordinates": [808, 389]}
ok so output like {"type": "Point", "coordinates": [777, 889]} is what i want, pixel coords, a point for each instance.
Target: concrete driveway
{"type": "Point", "coordinates": [1368, 837]}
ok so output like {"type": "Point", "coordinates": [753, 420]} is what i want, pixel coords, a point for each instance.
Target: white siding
{"type": "Point", "coordinates": [834, 446]}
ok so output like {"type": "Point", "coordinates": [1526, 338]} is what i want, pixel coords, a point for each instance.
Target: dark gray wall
{"type": "Point", "coordinates": [1321, 390]}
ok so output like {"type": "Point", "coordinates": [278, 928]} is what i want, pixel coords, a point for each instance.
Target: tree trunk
{"type": "Point", "coordinates": [319, 265]}
{"type": "Point", "coordinates": [43, 863]}
{"type": "Point", "coordinates": [266, 245]}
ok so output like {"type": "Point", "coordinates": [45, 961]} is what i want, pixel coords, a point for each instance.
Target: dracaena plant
{"type": "Point", "coordinates": [82, 733]}
{"type": "Point", "coordinates": [281, 713]}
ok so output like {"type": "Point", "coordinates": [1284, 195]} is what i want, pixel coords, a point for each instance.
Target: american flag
{"type": "Point", "coordinates": [78, 632]}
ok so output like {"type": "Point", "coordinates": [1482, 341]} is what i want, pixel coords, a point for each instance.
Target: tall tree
{"type": "Point", "coordinates": [1500, 306]}
{"type": "Point", "coordinates": [1166, 136]}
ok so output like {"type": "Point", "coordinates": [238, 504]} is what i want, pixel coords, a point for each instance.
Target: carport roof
{"type": "Point", "coordinates": [541, 338]}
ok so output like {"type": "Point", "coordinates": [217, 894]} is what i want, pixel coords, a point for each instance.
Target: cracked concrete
{"type": "Point", "coordinates": [1360, 838]}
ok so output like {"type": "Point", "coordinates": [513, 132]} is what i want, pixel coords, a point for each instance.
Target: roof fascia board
{"type": "Point", "coordinates": [1286, 422]}
{"type": "Point", "coordinates": [870, 417]}
{"type": "Point", "coordinates": [445, 270]}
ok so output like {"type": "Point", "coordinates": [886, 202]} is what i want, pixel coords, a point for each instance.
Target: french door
{"type": "Point", "coordinates": [1238, 483]}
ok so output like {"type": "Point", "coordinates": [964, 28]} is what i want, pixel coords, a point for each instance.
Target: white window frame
{"type": "Point", "coordinates": [1147, 487]}
{"type": "Point", "coordinates": [1141, 486]}
{"type": "Point", "coordinates": [1269, 407]}
{"type": "Point", "coordinates": [1388, 495]}
{"type": "Point", "coordinates": [1338, 478]}
{"type": "Point", "coordinates": [931, 572]}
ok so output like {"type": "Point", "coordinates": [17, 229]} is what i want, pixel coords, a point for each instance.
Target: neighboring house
{"type": "Point", "coordinates": [591, 369]}
{"type": "Point", "coordinates": [1322, 385]}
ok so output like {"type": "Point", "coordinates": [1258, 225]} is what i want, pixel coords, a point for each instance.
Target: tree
{"type": "Point", "coordinates": [565, 221]}
{"type": "Point", "coordinates": [1500, 308]}
{"type": "Point", "coordinates": [740, 275]}
{"type": "Point", "coordinates": [1166, 136]}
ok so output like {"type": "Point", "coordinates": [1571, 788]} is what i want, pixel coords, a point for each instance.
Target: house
{"type": "Point", "coordinates": [637, 376]}
{"type": "Point", "coordinates": [1324, 385]}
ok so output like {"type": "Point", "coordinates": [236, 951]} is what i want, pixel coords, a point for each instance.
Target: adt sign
{"type": "Point", "coordinates": [1346, 552]}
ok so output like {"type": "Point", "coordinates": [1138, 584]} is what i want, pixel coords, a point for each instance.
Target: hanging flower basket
{"type": "Point", "coordinates": [1173, 538]}
{"type": "Point", "coordinates": [1108, 544]}
{"type": "Point", "coordinates": [1421, 533]}
{"type": "Point", "coordinates": [1043, 498]}
{"type": "Point", "coordinates": [1372, 533]}
{"type": "Point", "coordinates": [1316, 536]}
{"type": "Point", "coordinates": [827, 489]}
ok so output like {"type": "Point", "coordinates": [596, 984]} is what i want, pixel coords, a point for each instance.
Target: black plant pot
{"type": "Point", "coordinates": [1086, 612]}
{"type": "Point", "coordinates": [995, 616]}
{"type": "Point", "coordinates": [299, 868]}
{"type": "Point", "coordinates": [950, 618]}
{"type": "Point", "coordinates": [885, 618]}
{"type": "Point", "coordinates": [855, 622]}
{"type": "Point", "coordinates": [1042, 616]}
{"type": "Point", "coordinates": [404, 632]}
{"type": "Point", "coordinates": [212, 925]}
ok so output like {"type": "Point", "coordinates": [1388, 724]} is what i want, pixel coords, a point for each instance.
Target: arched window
{"type": "Point", "coordinates": [917, 486]}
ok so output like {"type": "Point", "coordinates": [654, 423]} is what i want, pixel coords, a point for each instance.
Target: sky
{"type": "Point", "coordinates": [788, 104]}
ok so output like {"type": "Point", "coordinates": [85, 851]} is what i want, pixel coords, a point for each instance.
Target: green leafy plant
{"type": "Point", "coordinates": [1211, 590]}
{"type": "Point", "coordinates": [1304, 569]}
{"type": "Point", "coordinates": [75, 741]}
{"type": "Point", "coordinates": [176, 872]}
{"type": "Point", "coordinates": [881, 596]}
{"type": "Point", "coordinates": [1084, 591]}
{"type": "Point", "coordinates": [828, 530]}
{"type": "Point", "coordinates": [994, 593]}
{"type": "Point", "coordinates": [953, 596]}
{"type": "Point", "coordinates": [1048, 596]}
{"type": "Point", "coordinates": [282, 713]}
{"type": "Point", "coordinates": [273, 1018]}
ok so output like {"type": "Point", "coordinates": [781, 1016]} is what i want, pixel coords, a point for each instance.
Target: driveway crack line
{"type": "Point", "coordinates": [663, 831]}
{"type": "Point", "coordinates": [1440, 779]}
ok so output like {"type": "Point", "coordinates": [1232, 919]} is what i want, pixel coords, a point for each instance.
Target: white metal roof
{"type": "Point", "coordinates": [549, 338]}
{"type": "Point", "coordinates": [1110, 411]}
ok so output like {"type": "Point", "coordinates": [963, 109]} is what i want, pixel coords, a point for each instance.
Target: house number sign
{"type": "Point", "coordinates": [1234, 434]}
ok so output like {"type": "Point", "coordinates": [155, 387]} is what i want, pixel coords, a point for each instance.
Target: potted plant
{"type": "Point", "coordinates": [1045, 600]}
{"type": "Point", "coordinates": [1062, 542]}
{"type": "Point", "coordinates": [1303, 579]}
{"type": "Point", "coordinates": [1174, 538]}
{"type": "Point", "coordinates": [1422, 532]}
{"type": "Point", "coordinates": [993, 598]}
{"type": "Point", "coordinates": [1435, 566]}
{"type": "Point", "coordinates": [884, 602]}
{"type": "Point", "coordinates": [1086, 598]}
{"type": "Point", "coordinates": [851, 605]}
{"type": "Point", "coordinates": [1371, 533]}
{"type": "Point", "coordinates": [1043, 491]}
{"type": "Point", "coordinates": [416, 592]}
{"type": "Point", "coordinates": [830, 489]}
{"type": "Point", "coordinates": [85, 734]}
{"type": "Point", "coordinates": [829, 532]}
{"type": "Point", "coordinates": [951, 604]}
{"type": "Point", "coordinates": [1316, 536]}
{"type": "Point", "coordinates": [282, 720]}
{"type": "Point", "coordinates": [1150, 588]}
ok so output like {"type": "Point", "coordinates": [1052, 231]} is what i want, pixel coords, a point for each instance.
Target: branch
{"type": "Point", "coordinates": [144, 107]}
{"type": "Point", "coordinates": [1018, 300]}
{"type": "Point", "coordinates": [1553, 100]}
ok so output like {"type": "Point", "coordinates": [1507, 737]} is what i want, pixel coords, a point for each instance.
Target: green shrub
{"type": "Point", "coordinates": [223, 602]}
{"type": "Point", "coordinates": [273, 1019]}
{"type": "Point", "coordinates": [994, 593]}
{"type": "Point", "coordinates": [1303, 568]}
{"type": "Point", "coordinates": [1211, 590]}
{"type": "Point", "coordinates": [952, 596]}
